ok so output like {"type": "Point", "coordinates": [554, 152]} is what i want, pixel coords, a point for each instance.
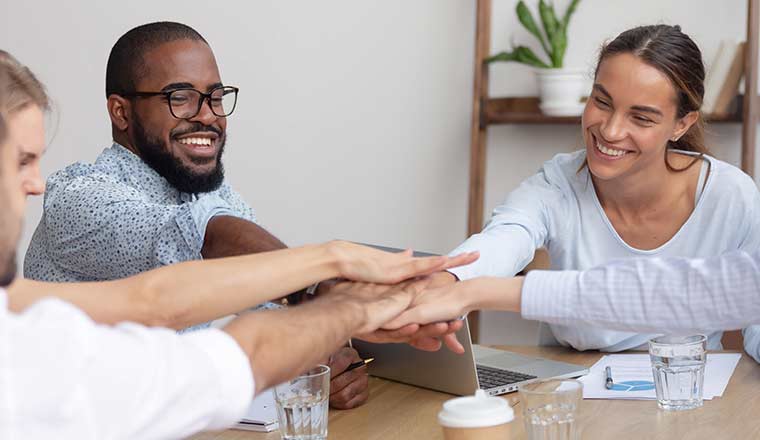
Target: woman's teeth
{"type": "Point", "coordinates": [195, 141]}
{"type": "Point", "coordinates": [609, 151]}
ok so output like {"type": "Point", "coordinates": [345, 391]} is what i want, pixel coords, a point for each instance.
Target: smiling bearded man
{"type": "Point", "coordinates": [158, 196]}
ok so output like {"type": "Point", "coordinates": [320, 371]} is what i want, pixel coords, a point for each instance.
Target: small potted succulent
{"type": "Point", "coordinates": [560, 88]}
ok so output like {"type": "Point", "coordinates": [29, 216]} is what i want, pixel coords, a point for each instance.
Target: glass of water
{"type": "Point", "coordinates": [302, 405]}
{"type": "Point", "coordinates": [678, 367]}
{"type": "Point", "coordinates": [550, 408]}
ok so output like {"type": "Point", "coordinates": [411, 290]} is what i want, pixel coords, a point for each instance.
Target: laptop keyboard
{"type": "Point", "coordinates": [494, 377]}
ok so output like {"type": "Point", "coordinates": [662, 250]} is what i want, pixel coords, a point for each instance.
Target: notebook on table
{"type": "Point", "coordinates": [261, 415]}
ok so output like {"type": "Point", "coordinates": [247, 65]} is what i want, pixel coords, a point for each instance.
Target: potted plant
{"type": "Point", "coordinates": [560, 88]}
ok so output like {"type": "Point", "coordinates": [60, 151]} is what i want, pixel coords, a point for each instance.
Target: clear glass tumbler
{"type": "Point", "coordinates": [302, 405]}
{"type": "Point", "coordinates": [550, 408]}
{"type": "Point", "coordinates": [678, 367]}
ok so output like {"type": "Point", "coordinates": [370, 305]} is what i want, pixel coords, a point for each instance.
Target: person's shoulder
{"type": "Point", "coordinates": [728, 178]}
{"type": "Point", "coordinates": [566, 163]}
{"type": "Point", "coordinates": [82, 184]}
{"type": "Point", "coordinates": [564, 168]}
{"type": "Point", "coordinates": [236, 201]}
{"type": "Point", "coordinates": [727, 184]}
{"type": "Point", "coordinates": [80, 176]}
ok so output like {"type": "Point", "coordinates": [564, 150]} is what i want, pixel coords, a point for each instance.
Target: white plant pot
{"type": "Point", "coordinates": [561, 91]}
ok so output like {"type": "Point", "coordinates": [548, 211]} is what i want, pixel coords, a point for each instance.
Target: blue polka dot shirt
{"type": "Point", "coordinates": [118, 217]}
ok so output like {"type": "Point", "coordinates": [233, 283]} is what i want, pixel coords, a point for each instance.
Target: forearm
{"type": "Point", "coordinates": [281, 344]}
{"type": "Point", "coordinates": [228, 236]}
{"type": "Point", "coordinates": [658, 294]}
{"type": "Point", "coordinates": [491, 293]}
{"type": "Point", "coordinates": [189, 293]}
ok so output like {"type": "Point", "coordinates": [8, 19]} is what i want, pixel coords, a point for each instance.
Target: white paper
{"type": "Point", "coordinates": [261, 415]}
{"type": "Point", "coordinates": [632, 375]}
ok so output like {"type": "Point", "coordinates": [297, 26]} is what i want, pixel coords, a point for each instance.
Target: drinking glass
{"type": "Point", "coordinates": [550, 408]}
{"type": "Point", "coordinates": [302, 405]}
{"type": "Point", "coordinates": [678, 367]}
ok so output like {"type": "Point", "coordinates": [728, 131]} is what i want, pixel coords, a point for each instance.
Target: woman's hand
{"type": "Point", "coordinates": [454, 300]}
{"type": "Point", "coordinates": [428, 337]}
{"type": "Point", "coordinates": [438, 304]}
{"type": "Point", "coordinates": [363, 263]}
{"type": "Point", "coordinates": [376, 303]}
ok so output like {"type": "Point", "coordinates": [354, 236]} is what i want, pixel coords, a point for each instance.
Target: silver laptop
{"type": "Point", "coordinates": [495, 371]}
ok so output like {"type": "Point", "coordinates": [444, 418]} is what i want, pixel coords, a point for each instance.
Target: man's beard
{"type": "Point", "coordinates": [8, 270]}
{"type": "Point", "coordinates": [158, 156]}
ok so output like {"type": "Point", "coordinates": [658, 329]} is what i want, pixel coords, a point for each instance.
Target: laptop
{"type": "Point", "coordinates": [495, 371]}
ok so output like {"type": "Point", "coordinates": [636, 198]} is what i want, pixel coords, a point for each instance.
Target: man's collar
{"type": "Point", "coordinates": [123, 154]}
{"type": "Point", "coordinates": [140, 172]}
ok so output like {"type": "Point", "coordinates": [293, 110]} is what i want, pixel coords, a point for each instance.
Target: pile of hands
{"type": "Point", "coordinates": [402, 299]}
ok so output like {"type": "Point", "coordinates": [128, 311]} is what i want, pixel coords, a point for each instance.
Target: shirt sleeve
{"type": "Point", "coordinates": [752, 341]}
{"type": "Point", "coordinates": [237, 203]}
{"type": "Point", "coordinates": [82, 380]}
{"type": "Point", "coordinates": [650, 294]}
{"type": "Point", "coordinates": [751, 242]}
{"type": "Point", "coordinates": [101, 230]}
{"type": "Point", "coordinates": [517, 228]}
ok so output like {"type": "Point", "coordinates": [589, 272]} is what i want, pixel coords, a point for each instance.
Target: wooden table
{"type": "Point", "coordinates": [397, 411]}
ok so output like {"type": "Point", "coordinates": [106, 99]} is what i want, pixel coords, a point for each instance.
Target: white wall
{"type": "Point", "coordinates": [353, 119]}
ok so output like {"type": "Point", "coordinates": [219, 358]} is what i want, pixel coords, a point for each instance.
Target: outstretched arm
{"type": "Point", "coordinates": [643, 295]}
{"type": "Point", "coordinates": [314, 330]}
{"type": "Point", "coordinates": [175, 384]}
{"type": "Point", "coordinates": [188, 293]}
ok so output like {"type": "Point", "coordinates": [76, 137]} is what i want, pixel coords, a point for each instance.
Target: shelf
{"type": "Point", "coordinates": [525, 110]}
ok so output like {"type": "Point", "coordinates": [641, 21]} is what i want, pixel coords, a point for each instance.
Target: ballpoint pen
{"type": "Point", "coordinates": [358, 364]}
{"type": "Point", "coordinates": [608, 383]}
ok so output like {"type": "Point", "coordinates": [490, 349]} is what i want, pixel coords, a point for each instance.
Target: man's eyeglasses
{"type": "Point", "coordinates": [186, 103]}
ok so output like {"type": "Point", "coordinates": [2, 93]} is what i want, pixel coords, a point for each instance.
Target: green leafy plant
{"type": "Point", "coordinates": [554, 42]}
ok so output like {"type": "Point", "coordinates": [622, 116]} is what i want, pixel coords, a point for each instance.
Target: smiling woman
{"type": "Point", "coordinates": [643, 185]}
{"type": "Point", "coordinates": [656, 75]}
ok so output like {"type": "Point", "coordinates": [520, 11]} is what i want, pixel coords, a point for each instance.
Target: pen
{"type": "Point", "coordinates": [608, 381]}
{"type": "Point", "coordinates": [358, 364]}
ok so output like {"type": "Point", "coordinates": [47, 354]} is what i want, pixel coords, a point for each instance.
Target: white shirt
{"type": "Point", "coordinates": [658, 294]}
{"type": "Point", "coordinates": [62, 376]}
{"type": "Point", "coordinates": [558, 209]}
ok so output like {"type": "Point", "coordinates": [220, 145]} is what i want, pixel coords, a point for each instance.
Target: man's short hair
{"type": "Point", "coordinates": [126, 64]}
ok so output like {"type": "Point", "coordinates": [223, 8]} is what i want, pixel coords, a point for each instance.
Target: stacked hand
{"type": "Point", "coordinates": [362, 263]}
{"type": "Point", "coordinates": [426, 337]}
{"type": "Point", "coordinates": [384, 286]}
{"type": "Point", "coordinates": [445, 302]}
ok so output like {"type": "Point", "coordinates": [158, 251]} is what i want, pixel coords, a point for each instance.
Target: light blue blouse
{"type": "Point", "coordinates": [558, 209]}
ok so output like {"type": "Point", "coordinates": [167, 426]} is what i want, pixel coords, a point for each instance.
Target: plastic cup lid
{"type": "Point", "coordinates": [475, 411]}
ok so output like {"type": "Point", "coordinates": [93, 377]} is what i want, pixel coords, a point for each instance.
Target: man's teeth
{"type": "Point", "coordinates": [195, 141]}
{"type": "Point", "coordinates": [609, 151]}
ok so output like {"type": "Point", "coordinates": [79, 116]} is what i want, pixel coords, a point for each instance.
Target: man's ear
{"type": "Point", "coordinates": [120, 111]}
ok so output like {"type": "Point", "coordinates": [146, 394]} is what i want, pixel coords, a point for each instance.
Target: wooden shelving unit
{"type": "Point", "coordinates": [487, 111]}
{"type": "Point", "coordinates": [525, 111]}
